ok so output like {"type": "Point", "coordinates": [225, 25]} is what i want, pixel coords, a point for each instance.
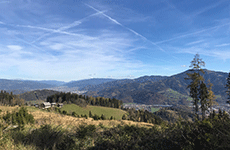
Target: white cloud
{"type": "Point", "coordinates": [131, 30]}
{"type": "Point", "coordinates": [183, 66]}
{"type": "Point", "coordinates": [195, 42]}
{"type": "Point", "coordinates": [222, 45]}
{"type": "Point", "coordinates": [220, 54]}
{"type": "Point", "coordinates": [14, 47]}
{"type": "Point", "coordinates": [57, 46]}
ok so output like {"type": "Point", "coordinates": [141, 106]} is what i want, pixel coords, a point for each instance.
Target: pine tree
{"type": "Point", "coordinates": [228, 87]}
{"type": "Point", "coordinates": [90, 114]}
{"type": "Point", "coordinates": [203, 95]}
{"type": "Point", "coordinates": [196, 78]}
{"type": "Point", "coordinates": [211, 97]}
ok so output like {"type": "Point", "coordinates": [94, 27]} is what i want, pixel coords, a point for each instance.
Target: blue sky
{"type": "Point", "coordinates": [76, 39]}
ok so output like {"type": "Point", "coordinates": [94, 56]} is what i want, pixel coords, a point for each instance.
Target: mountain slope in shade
{"type": "Point", "coordinates": [25, 85]}
{"type": "Point", "coordinates": [147, 92]}
{"type": "Point", "coordinates": [37, 95]}
{"type": "Point", "coordinates": [118, 83]}
{"type": "Point", "coordinates": [52, 82]}
{"type": "Point", "coordinates": [83, 83]}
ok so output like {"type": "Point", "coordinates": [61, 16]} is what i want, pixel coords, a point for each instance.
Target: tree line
{"type": "Point", "coordinates": [10, 99]}
{"type": "Point", "coordinates": [83, 100]}
{"type": "Point", "coordinates": [141, 116]}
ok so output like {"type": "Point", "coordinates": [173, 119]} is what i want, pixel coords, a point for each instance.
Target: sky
{"type": "Point", "coordinates": [81, 39]}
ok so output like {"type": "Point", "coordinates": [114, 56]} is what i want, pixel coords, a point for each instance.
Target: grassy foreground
{"type": "Point", "coordinates": [43, 117]}
{"type": "Point", "coordinates": [48, 124]}
{"type": "Point", "coordinates": [52, 131]}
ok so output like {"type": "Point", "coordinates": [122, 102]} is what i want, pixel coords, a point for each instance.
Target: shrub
{"type": "Point", "coordinates": [96, 117]}
{"type": "Point", "coordinates": [74, 114]}
{"type": "Point", "coordinates": [90, 114]}
{"type": "Point", "coordinates": [64, 112]}
{"type": "Point", "coordinates": [103, 117]}
{"type": "Point", "coordinates": [21, 118]}
{"type": "Point", "coordinates": [47, 137]}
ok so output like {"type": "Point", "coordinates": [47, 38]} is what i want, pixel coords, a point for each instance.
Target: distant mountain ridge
{"type": "Point", "coordinates": [145, 90]}
{"type": "Point", "coordinates": [83, 83]}
{"type": "Point", "coordinates": [25, 85]}
{"type": "Point", "coordinates": [21, 86]}
{"type": "Point", "coordinates": [120, 82]}
{"type": "Point", "coordinates": [148, 92]}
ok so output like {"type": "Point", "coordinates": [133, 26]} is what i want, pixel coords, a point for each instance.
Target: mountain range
{"type": "Point", "coordinates": [145, 90]}
{"type": "Point", "coordinates": [162, 90]}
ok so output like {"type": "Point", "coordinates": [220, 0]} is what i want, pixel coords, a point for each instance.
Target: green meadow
{"type": "Point", "coordinates": [98, 110]}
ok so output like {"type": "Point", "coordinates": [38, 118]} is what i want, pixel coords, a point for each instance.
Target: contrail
{"type": "Point", "coordinates": [50, 30]}
{"type": "Point", "coordinates": [118, 23]}
{"type": "Point", "coordinates": [193, 33]}
{"type": "Point", "coordinates": [75, 23]}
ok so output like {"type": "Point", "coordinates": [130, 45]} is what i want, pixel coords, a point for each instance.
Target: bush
{"type": "Point", "coordinates": [103, 117]}
{"type": "Point", "coordinates": [47, 137]}
{"type": "Point", "coordinates": [96, 117]}
{"type": "Point", "coordinates": [90, 114]}
{"type": "Point", "coordinates": [74, 114]}
{"type": "Point", "coordinates": [20, 118]}
{"type": "Point", "coordinates": [84, 131]}
{"type": "Point", "coordinates": [64, 112]}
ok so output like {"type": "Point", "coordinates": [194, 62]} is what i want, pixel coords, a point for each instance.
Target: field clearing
{"type": "Point", "coordinates": [153, 109]}
{"type": "Point", "coordinates": [42, 117]}
{"type": "Point", "coordinates": [98, 110]}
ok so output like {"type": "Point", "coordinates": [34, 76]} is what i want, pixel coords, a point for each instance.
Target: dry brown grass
{"type": "Point", "coordinates": [42, 117]}
{"type": "Point", "coordinates": [8, 108]}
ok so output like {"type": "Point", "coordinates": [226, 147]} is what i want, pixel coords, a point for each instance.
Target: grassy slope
{"type": "Point", "coordinates": [42, 117]}
{"type": "Point", "coordinates": [174, 95]}
{"type": "Point", "coordinates": [108, 112]}
{"type": "Point", "coordinates": [153, 109]}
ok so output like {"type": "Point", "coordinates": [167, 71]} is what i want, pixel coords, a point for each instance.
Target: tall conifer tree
{"type": "Point", "coordinates": [203, 95]}
{"type": "Point", "coordinates": [228, 87]}
{"type": "Point", "coordinates": [196, 78]}
{"type": "Point", "coordinates": [211, 97]}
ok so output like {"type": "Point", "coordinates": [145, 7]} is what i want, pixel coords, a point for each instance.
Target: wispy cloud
{"type": "Point", "coordinates": [193, 33]}
{"type": "Point", "coordinates": [220, 54]}
{"type": "Point", "coordinates": [118, 23]}
{"type": "Point", "coordinates": [223, 45]}
{"type": "Point", "coordinates": [74, 24]}
{"type": "Point", "coordinates": [183, 66]}
{"type": "Point", "coordinates": [207, 8]}
{"type": "Point", "coordinates": [14, 47]}
{"type": "Point", "coordinates": [44, 40]}
{"type": "Point", "coordinates": [195, 42]}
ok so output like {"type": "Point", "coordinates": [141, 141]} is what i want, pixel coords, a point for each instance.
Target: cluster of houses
{"type": "Point", "coordinates": [48, 105]}
{"type": "Point", "coordinates": [140, 106]}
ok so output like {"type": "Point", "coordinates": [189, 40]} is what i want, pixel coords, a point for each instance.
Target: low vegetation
{"type": "Point", "coordinates": [51, 131]}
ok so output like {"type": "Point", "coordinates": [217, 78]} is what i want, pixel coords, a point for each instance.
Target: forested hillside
{"type": "Point", "coordinates": [154, 92]}
{"type": "Point", "coordinates": [37, 95]}
{"type": "Point", "coordinates": [25, 85]}
{"type": "Point", "coordinates": [87, 82]}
